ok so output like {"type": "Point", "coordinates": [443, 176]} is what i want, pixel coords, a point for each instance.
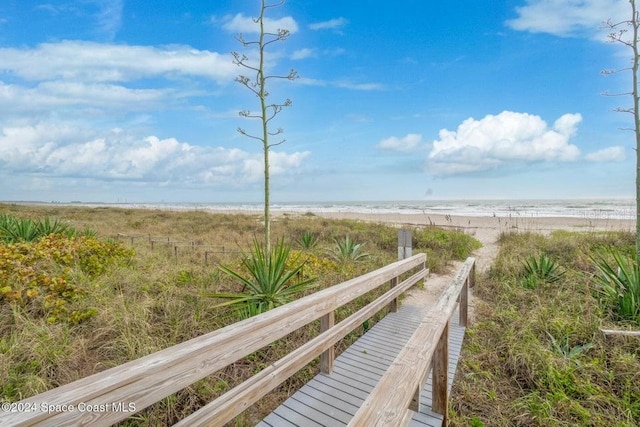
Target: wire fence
{"type": "Point", "coordinates": [178, 248]}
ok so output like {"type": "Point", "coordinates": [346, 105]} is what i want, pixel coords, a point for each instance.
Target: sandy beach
{"type": "Point", "coordinates": [486, 229]}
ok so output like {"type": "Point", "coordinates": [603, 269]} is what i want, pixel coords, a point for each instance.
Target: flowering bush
{"type": "Point", "coordinates": [39, 276]}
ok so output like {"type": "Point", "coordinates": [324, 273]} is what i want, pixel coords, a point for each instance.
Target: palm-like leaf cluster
{"type": "Point", "coordinates": [619, 282]}
{"type": "Point", "coordinates": [348, 250]}
{"type": "Point", "coordinates": [268, 284]}
{"type": "Point", "coordinates": [541, 269]}
{"type": "Point", "coordinates": [13, 230]}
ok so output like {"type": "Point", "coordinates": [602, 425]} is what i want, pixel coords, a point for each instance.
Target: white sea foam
{"type": "Point", "coordinates": [587, 208]}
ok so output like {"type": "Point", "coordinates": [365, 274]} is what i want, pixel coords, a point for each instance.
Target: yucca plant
{"type": "Point", "coordinates": [618, 279]}
{"type": "Point", "coordinates": [540, 269]}
{"type": "Point", "coordinates": [308, 240]}
{"type": "Point", "coordinates": [14, 230]}
{"type": "Point", "coordinates": [47, 226]}
{"type": "Point", "coordinates": [269, 284]}
{"type": "Point", "coordinates": [348, 250]}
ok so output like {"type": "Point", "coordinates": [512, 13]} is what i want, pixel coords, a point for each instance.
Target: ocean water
{"type": "Point", "coordinates": [587, 208]}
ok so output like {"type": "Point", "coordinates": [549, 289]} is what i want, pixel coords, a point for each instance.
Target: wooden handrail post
{"type": "Point", "coordinates": [472, 275]}
{"type": "Point", "coordinates": [464, 303]}
{"type": "Point", "coordinates": [328, 356]}
{"type": "Point", "coordinates": [393, 305]}
{"type": "Point", "coordinates": [440, 375]}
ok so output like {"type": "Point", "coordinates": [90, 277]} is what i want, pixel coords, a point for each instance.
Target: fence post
{"type": "Point", "coordinates": [464, 302]}
{"type": "Point", "coordinates": [393, 305]}
{"type": "Point", "coordinates": [404, 243]}
{"type": "Point", "coordinates": [327, 357]}
{"type": "Point", "coordinates": [440, 373]}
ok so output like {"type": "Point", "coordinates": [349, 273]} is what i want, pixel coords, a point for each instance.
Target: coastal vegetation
{"type": "Point", "coordinates": [144, 281]}
{"type": "Point", "coordinates": [535, 354]}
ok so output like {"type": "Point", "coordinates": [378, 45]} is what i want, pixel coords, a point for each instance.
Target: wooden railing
{"type": "Point", "coordinates": [390, 405]}
{"type": "Point", "coordinates": [115, 394]}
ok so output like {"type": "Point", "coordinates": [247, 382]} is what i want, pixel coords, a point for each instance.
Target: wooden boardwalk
{"type": "Point", "coordinates": [333, 399]}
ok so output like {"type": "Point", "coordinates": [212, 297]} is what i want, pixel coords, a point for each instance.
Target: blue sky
{"type": "Point", "coordinates": [122, 100]}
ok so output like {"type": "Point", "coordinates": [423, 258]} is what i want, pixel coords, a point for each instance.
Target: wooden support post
{"type": "Point", "coordinates": [328, 356]}
{"type": "Point", "coordinates": [151, 244]}
{"type": "Point", "coordinates": [175, 251]}
{"type": "Point", "coordinates": [440, 375]}
{"type": "Point", "coordinates": [472, 276]}
{"type": "Point", "coordinates": [464, 303]}
{"type": "Point", "coordinates": [393, 305]}
{"type": "Point", "coordinates": [404, 244]}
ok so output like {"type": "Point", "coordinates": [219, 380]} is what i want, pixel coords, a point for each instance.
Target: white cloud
{"type": "Point", "coordinates": [331, 24]}
{"type": "Point", "coordinates": [67, 151]}
{"type": "Point", "coordinates": [106, 62]}
{"type": "Point", "coordinates": [504, 139]}
{"type": "Point", "coordinates": [46, 96]}
{"type": "Point", "coordinates": [567, 17]}
{"type": "Point", "coordinates": [109, 16]}
{"type": "Point", "coordinates": [246, 24]}
{"type": "Point", "coordinates": [359, 86]}
{"type": "Point", "coordinates": [406, 144]}
{"type": "Point", "coordinates": [303, 53]}
{"type": "Point", "coordinates": [609, 154]}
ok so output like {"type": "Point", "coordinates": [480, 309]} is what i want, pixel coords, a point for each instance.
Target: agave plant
{"type": "Point", "coordinates": [47, 226]}
{"type": "Point", "coordinates": [308, 240]}
{"type": "Point", "coordinates": [348, 250]}
{"type": "Point", "coordinates": [619, 283]}
{"type": "Point", "coordinates": [14, 230]}
{"type": "Point", "coordinates": [268, 284]}
{"type": "Point", "coordinates": [541, 269]}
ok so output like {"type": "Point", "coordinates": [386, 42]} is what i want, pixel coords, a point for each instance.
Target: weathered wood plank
{"type": "Point", "coordinates": [232, 403]}
{"type": "Point", "coordinates": [343, 390]}
{"type": "Point", "coordinates": [387, 405]}
{"type": "Point", "coordinates": [151, 378]}
{"type": "Point", "coordinates": [612, 332]}
{"type": "Point", "coordinates": [440, 373]}
{"type": "Point", "coordinates": [328, 356]}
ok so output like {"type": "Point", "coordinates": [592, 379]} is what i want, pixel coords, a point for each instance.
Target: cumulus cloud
{"type": "Point", "coordinates": [107, 62]}
{"type": "Point", "coordinates": [609, 154]}
{"type": "Point", "coordinates": [567, 17]}
{"type": "Point", "coordinates": [331, 24]}
{"type": "Point", "coordinates": [66, 151]}
{"type": "Point", "coordinates": [246, 24]}
{"type": "Point", "coordinates": [503, 139]}
{"type": "Point", "coordinates": [406, 144]}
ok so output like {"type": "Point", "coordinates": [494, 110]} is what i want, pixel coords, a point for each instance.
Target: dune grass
{"type": "Point", "coordinates": [535, 355]}
{"type": "Point", "coordinates": [147, 296]}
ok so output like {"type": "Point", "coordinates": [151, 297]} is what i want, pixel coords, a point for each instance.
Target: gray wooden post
{"type": "Point", "coordinates": [404, 243]}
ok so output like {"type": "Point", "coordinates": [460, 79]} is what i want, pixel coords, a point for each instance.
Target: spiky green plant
{"type": "Point", "coordinates": [14, 230]}
{"type": "Point", "coordinates": [268, 284]}
{"type": "Point", "coordinates": [348, 250]}
{"type": "Point", "coordinates": [47, 226]}
{"type": "Point", "coordinates": [308, 240]}
{"type": "Point", "coordinates": [618, 279]}
{"type": "Point", "coordinates": [540, 269]}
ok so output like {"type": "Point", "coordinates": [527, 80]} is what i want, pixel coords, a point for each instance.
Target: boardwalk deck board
{"type": "Point", "coordinates": [333, 399]}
